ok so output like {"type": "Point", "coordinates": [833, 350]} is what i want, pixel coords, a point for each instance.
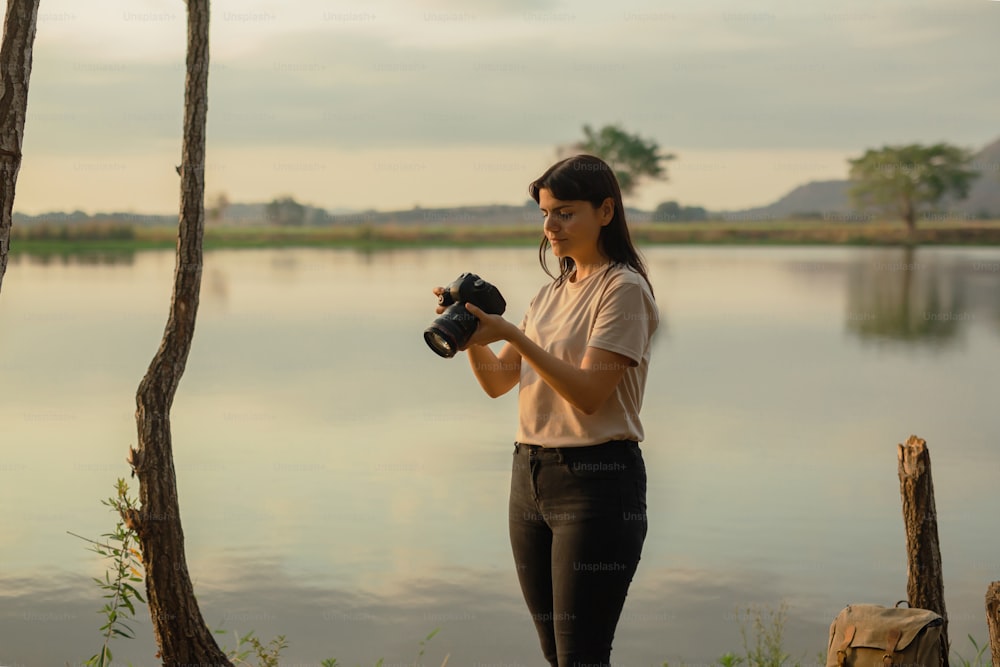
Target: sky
{"type": "Point", "coordinates": [390, 104]}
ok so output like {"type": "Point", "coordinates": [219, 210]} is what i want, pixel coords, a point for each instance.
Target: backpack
{"type": "Point", "coordinates": [869, 635]}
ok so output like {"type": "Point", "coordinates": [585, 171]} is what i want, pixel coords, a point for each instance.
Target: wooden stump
{"type": "Point", "coordinates": [924, 584]}
{"type": "Point", "coordinates": [993, 620]}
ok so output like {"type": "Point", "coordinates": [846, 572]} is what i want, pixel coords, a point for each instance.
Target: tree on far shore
{"type": "Point", "coordinates": [671, 211]}
{"type": "Point", "coordinates": [907, 179]}
{"type": "Point", "coordinates": [284, 211]}
{"type": "Point", "coordinates": [630, 156]}
{"type": "Point", "coordinates": [216, 211]}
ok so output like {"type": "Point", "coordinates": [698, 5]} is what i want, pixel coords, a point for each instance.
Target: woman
{"type": "Point", "coordinates": [580, 357]}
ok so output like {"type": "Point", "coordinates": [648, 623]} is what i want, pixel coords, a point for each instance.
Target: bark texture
{"type": "Point", "coordinates": [993, 620]}
{"type": "Point", "coordinates": [178, 626]}
{"type": "Point", "coordinates": [925, 583]}
{"type": "Point", "coordinates": [15, 70]}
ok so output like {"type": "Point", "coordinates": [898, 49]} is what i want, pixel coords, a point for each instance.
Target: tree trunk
{"type": "Point", "coordinates": [924, 585]}
{"type": "Point", "coordinates": [910, 218]}
{"type": "Point", "coordinates": [15, 70]}
{"type": "Point", "coordinates": [178, 625]}
{"type": "Point", "coordinates": [993, 620]}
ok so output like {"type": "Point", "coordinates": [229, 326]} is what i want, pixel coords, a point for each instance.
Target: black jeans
{"type": "Point", "coordinates": [577, 524]}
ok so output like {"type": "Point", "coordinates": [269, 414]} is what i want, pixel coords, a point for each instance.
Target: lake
{"type": "Point", "coordinates": [342, 485]}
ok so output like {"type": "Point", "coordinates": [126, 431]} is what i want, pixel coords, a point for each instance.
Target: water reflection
{"type": "Point", "coordinates": [900, 295]}
{"type": "Point", "coordinates": [313, 414]}
{"type": "Point", "coordinates": [71, 258]}
{"type": "Point", "coordinates": [216, 286]}
{"type": "Point", "coordinates": [687, 614]}
{"type": "Point", "coordinates": [983, 284]}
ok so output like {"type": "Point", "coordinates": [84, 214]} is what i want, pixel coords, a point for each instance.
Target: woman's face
{"type": "Point", "coordinates": [572, 227]}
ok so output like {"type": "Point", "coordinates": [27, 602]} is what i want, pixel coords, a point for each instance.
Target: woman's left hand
{"type": "Point", "coordinates": [491, 327]}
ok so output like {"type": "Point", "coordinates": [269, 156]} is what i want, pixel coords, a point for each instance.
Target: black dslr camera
{"type": "Point", "coordinates": [453, 329]}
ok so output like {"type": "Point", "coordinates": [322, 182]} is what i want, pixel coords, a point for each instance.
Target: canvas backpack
{"type": "Point", "coordinates": [869, 635]}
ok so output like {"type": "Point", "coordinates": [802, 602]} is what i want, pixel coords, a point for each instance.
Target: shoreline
{"type": "Point", "coordinates": [88, 238]}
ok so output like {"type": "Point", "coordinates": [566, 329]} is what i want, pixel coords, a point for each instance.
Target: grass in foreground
{"type": "Point", "coordinates": [762, 631]}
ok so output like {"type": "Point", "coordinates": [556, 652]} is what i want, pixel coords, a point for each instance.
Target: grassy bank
{"type": "Point", "coordinates": [117, 238]}
{"type": "Point", "coordinates": [811, 232]}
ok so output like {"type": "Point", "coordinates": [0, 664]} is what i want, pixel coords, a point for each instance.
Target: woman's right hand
{"type": "Point", "coordinates": [438, 291]}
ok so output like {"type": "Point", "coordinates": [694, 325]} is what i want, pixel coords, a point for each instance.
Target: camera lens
{"type": "Point", "coordinates": [439, 343]}
{"type": "Point", "coordinates": [451, 330]}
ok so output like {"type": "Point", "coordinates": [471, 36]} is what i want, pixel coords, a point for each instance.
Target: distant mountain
{"type": "Point", "coordinates": [827, 199]}
{"type": "Point", "coordinates": [984, 195]}
{"type": "Point", "coordinates": [830, 199]}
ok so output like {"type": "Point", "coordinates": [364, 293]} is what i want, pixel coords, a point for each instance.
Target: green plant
{"type": "Point", "coordinates": [730, 660]}
{"type": "Point", "coordinates": [423, 643]}
{"type": "Point", "coordinates": [762, 631]}
{"type": "Point", "coordinates": [768, 634]}
{"type": "Point", "coordinates": [239, 654]}
{"type": "Point", "coordinates": [119, 610]}
{"type": "Point", "coordinates": [267, 654]}
{"type": "Point", "coordinates": [978, 660]}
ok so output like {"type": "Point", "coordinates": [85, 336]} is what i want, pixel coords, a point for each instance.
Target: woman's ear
{"type": "Point", "coordinates": [607, 211]}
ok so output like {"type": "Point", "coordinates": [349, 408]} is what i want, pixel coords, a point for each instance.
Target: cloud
{"type": "Point", "coordinates": [753, 79]}
{"type": "Point", "coordinates": [386, 76]}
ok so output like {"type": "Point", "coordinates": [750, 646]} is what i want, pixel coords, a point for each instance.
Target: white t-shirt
{"type": "Point", "coordinates": [611, 309]}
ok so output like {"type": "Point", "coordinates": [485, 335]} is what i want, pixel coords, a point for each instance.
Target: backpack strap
{"type": "Point", "coordinates": [890, 648]}
{"type": "Point", "coordinates": [842, 651]}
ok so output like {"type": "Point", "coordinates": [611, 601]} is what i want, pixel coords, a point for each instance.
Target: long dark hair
{"type": "Point", "coordinates": [589, 178]}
